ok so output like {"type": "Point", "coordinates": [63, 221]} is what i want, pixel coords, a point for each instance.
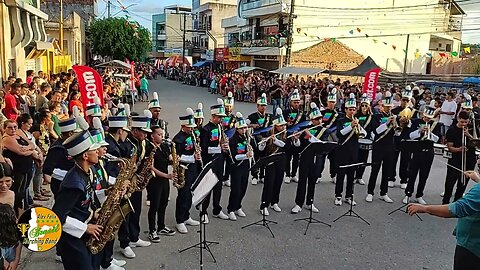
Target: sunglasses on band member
{"type": "Point", "coordinates": [364, 105]}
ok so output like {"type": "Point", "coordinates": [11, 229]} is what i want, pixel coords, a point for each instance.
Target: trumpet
{"type": "Point", "coordinates": [356, 129]}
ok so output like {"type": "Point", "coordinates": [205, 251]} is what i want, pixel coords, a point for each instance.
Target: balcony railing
{"type": "Point", "coordinates": [259, 4]}
{"type": "Point", "coordinates": [268, 42]}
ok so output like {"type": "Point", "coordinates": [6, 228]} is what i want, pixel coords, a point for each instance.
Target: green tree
{"type": "Point", "coordinates": [119, 38]}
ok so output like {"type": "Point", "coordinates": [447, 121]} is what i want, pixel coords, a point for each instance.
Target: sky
{"type": "Point", "coordinates": [142, 11]}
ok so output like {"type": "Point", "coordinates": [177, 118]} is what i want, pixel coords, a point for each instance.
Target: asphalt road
{"type": "Point", "coordinates": [395, 241]}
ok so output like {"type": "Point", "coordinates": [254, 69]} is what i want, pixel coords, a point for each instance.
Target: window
{"type": "Point", "coordinates": [448, 47]}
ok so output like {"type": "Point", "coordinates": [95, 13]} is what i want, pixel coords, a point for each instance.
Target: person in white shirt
{"type": "Point", "coordinates": [447, 111]}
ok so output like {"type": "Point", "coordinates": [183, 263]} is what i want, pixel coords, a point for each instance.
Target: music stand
{"type": "Point", "coordinates": [412, 146]}
{"type": "Point", "coordinates": [351, 212]}
{"type": "Point", "coordinates": [202, 186]}
{"type": "Point", "coordinates": [311, 150]}
{"type": "Point", "coordinates": [264, 161]}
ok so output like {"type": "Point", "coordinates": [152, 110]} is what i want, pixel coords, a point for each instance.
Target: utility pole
{"type": "Point", "coordinates": [108, 8]}
{"type": "Point", "coordinates": [184, 40]}
{"type": "Point", "coordinates": [405, 60]}
{"type": "Point", "coordinates": [60, 36]}
{"type": "Point", "coordinates": [288, 53]}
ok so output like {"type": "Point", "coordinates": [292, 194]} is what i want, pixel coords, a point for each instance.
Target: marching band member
{"type": "Point", "coordinates": [228, 122]}
{"type": "Point", "coordinates": [241, 147]}
{"type": "Point", "coordinates": [104, 258]}
{"type": "Point", "coordinates": [330, 116]}
{"type": "Point", "coordinates": [214, 145]}
{"type": "Point", "coordinates": [198, 115]}
{"type": "Point", "coordinates": [159, 187]}
{"type": "Point", "coordinates": [129, 232]}
{"type": "Point", "coordinates": [348, 131]}
{"type": "Point", "coordinates": [383, 149]}
{"type": "Point", "coordinates": [406, 113]}
{"type": "Point", "coordinates": [58, 162]}
{"type": "Point", "coordinates": [259, 119]}
{"type": "Point", "coordinates": [364, 116]}
{"type": "Point", "coordinates": [117, 134]}
{"type": "Point", "coordinates": [455, 145]}
{"type": "Point", "coordinates": [274, 171]}
{"type": "Point", "coordinates": [422, 129]}
{"type": "Point", "coordinates": [307, 174]}
{"type": "Point", "coordinates": [74, 202]}
{"type": "Point", "coordinates": [155, 109]}
{"type": "Point", "coordinates": [188, 155]}
{"type": "Point", "coordinates": [293, 115]}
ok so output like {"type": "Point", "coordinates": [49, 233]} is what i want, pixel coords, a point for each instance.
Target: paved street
{"type": "Point", "coordinates": [391, 242]}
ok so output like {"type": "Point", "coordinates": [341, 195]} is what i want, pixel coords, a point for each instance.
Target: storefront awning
{"type": "Point", "coordinates": [248, 69]}
{"type": "Point", "coordinates": [202, 64]}
{"type": "Point", "coordinates": [298, 71]}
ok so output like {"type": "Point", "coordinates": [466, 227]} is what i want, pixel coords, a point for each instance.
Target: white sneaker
{"type": "Point", "coordinates": [406, 200]}
{"type": "Point", "coordinates": [221, 215]}
{"type": "Point", "coordinates": [287, 180]}
{"type": "Point", "coordinates": [127, 252]}
{"type": "Point", "coordinates": [314, 209]}
{"type": "Point", "coordinates": [261, 180]}
{"type": "Point", "coordinates": [360, 182]}
{"type": "Point", "coordinates": [391, 184]}
{"type": "Point", "coordinates": [192, 222]}
{"type": "Point", "coordinates": [421, 201]}
{"type": "Point", "coordinates": [140, 243]}
{"type": "Point", "coordinates": [264, 211]}
{"type": "Point", "coordinates": [442, 194]}
{"type": "Point", "coordinates": [147, 203]}
{"type": "Point", "coordinates": [181, 228]}
{"type": "Point", "coordinates": [294, 179]}
{"type": "Point", "coordinates": [338, 201]}
{"type": "Point", "coordinates": [350, 201]}
{"type": "Point", "coordinates": [318, 181]}
{"type": "Point", "coordinates": [254, 181]}
{"type": "Point", "coordinates": [385, 198]}
{"type": "Point", "coordinates": [204, 219]}
{"type": "Point", "coordinates": [240, 213]}
{"type": "Point", "coordinates": [227, 183]}
{"type": "Point", "coordinates": [333, 179]}
{"type": "Point", "coordinates": [296, 209]}
{"type": "Point", "coordinates": [113, 267]}
{"type": "Point", "coordinates": [119, 262]}
{"type": "Point", "coordinates": [403, 186]}
{"type": "Point", "coordinates": [232, 216]}
{"type": "Point", "coordinates": [58, 258]}
{"type": "Point", "coordinates": [276, 208]}
{"type": "Point", "coordinates": [369, 198]}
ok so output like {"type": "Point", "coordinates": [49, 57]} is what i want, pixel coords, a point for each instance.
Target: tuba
{"type": "Point", "coordinates": [115, 207]}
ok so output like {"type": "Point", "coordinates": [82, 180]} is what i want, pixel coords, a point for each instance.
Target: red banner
{"type": "Point", "coordinates": [90, 84]}
{"type": "Point", "coordinates": [371, 82]}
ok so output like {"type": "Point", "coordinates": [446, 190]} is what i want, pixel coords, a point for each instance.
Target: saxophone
{"type": "Point", "coordinates": [115, 208]}
{"type": "Point", "coordinates": [178, 169]}
{"type": "Point", "coordinates": [224, 140]}
{"type": "Point", "coordinates": [198, 149]}
{"type": "Point", "coordinates": [143, 176]}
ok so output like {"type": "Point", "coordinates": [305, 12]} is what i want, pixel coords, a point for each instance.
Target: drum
{"type": "Point", "coordinates": [439, 149]}
{"type": "Point", "coordinates": [365, 144]}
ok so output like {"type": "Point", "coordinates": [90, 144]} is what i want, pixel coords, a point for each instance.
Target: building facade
{"type": "Point", "coordinates": [400, 36]}
{"type": "Point", "coordinates": [167, 31]}
{"type": "Point", "coordinates": [22, 28]}
{"type": "Point", "coordinates": [207, 16]}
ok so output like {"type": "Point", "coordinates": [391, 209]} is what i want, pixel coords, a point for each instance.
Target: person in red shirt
{"type": "Point", "coordinates": [10, 111]}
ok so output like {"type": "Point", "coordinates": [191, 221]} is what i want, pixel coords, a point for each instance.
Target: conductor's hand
{"type": "Point", "coordinates": [473, 175]}
{"type": "Point", "coordinates": [94, 230]}
{"type": "Point", "coordinates": [414, 208]}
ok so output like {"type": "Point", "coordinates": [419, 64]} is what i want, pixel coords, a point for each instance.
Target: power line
{"type": "Point", "coordinates": [412, 7]}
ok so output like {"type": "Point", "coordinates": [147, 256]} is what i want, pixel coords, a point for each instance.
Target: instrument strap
{"type": "Point", "coordinates": [333, 121]}
{"type": "Point", "coordinates": [349, 136]}
{"type": "Point", "coordinates": [369, 119]}
{"type": "Point", "coordinates": [320, 134]}
{"type": "Point", "coordinates": [299, 116]}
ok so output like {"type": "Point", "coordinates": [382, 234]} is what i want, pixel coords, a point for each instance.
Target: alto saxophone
{"type": "Point", "coordinates": [115, 207]}
{"type": "Point", "coordinates": [198, 149]}
{"type": "Point", "coordinates": [178, 169]}
{"type": "Point", "coordinates": [143, 176]}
